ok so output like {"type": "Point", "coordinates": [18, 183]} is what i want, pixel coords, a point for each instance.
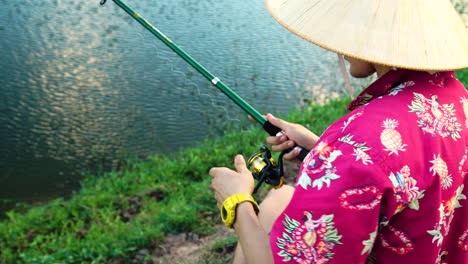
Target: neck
{"type": "Point", "coordinates": [381, 69]}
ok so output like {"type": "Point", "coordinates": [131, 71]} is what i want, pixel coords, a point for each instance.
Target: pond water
{"type": "Point", "coordinates": [82, 85]}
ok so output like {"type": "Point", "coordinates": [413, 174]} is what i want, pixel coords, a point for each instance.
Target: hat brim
{"type": "Point", "coordinates": [418, 34]}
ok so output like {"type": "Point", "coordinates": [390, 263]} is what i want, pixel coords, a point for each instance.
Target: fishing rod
{"type": "Point", "coordinates": [265, 169]}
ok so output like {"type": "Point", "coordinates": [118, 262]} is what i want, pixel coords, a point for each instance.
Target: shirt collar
{"type": "Point", "coordinates": [393, 78]}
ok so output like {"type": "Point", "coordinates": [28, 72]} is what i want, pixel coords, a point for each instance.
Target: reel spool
{"type": "Point", "coordinates": [265, 169]}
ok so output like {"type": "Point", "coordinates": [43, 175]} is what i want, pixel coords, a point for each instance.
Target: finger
{"type": "Point", "coordinates": [292, 155]}
{"type": "Point", "coordinates": [215, 171]}
{"type": "Point", "coordinates": [283, 146]}
{"type": "Point", "coordinates": [274, 140]}
{"type": "Point", "coordinates": [253, 119]}
{"type": "Point", "coordinates": [277, 122]}
{"type": "Point", "coordinates": [217, 200]}
{"type": "Point", "coordinates": [239, 163]}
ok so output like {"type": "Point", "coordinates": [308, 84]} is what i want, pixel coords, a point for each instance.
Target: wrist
{"type": "Point", "coordinates": [242, 210]}
{"type": "Point", "coordinates": [311, 141]}
{"type": "Point", "coordinates": [228, 210]}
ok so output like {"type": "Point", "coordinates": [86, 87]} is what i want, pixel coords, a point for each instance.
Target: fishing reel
{"type": "Point", "coordinates": [265, 169]}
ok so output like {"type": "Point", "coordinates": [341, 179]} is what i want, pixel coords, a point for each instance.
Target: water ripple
{"type": "Point", "coordinates": [83, 85]}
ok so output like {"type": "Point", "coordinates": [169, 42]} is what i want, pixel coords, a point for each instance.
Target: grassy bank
{"type": "Point", "coordinates": [117, 214]}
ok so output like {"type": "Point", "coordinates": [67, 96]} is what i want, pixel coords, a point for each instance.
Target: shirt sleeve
{"type": "Point", "coordinates": [341, 198]}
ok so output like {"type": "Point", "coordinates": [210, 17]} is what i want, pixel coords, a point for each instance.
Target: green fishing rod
{"type": "Point", "coordinates": [256, 159]}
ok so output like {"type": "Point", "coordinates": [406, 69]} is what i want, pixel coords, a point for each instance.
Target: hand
{"type": "Point", "coordinates": [294, 134]}
{"type": "Point", "coordinates": [227, 182]}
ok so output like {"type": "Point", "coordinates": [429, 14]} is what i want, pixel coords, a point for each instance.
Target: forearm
{"type": "Point", "coordinates": [252, 237]}
{"type": "Point", "coordinates": [311, 140]}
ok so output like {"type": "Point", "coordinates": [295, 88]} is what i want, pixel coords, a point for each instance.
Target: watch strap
{"type": "Point", "coordinates": [229, 206]}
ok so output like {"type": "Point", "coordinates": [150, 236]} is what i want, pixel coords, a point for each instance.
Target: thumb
{"type": "Point", "coordinates": [277, 122]}
{"type": "Point", "coordinates": [239, 162]}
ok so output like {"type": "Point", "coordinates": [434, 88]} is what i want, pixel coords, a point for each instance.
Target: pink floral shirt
{"type": "Point", "coordinates": [385, 183]}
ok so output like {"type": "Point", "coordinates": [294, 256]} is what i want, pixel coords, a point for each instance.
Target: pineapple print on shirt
{"type": "Point", "coordinates": [391, 138]}
{"type": "Point", "coordinates": [440, 168]}
{"type": "Point", "coordinates": [385, 182]}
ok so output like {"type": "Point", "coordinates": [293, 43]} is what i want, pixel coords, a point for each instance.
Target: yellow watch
{"type": "Point", "coordinates": [228, 209]}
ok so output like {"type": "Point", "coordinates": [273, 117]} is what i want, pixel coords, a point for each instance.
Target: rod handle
{"type": "Point", "coordinates": [271, 129]}
{"type": "Point", "coordinates": [275, 131]}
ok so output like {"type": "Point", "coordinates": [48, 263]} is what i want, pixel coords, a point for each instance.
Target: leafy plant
{"type": "Point", "coordinates": [121, 212]}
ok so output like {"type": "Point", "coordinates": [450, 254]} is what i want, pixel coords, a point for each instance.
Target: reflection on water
{"type": "Point", "coordinates": [82, 84]}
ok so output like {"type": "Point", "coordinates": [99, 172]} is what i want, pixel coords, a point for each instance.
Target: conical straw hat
{"type": "Point", "coordinates": [411, 34]}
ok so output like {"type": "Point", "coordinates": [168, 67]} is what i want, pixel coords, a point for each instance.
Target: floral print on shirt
{"type": "Point", "coordinates": [366, 197]}
{"type": "Point", "coordinates": [441, 258]}
{"type": "Point", "coordinates": [350, 119]}
{"type": "Point", "coordinates": [400, 87]}
{"type": "Point", "coordinates": [311, 241]}
{"type": "Point", "coordinates": [396, 240]}
{"type": "Point", "coordinates": [446, 213]}
{"type": "Point", "coordinates": [359, 149]}
{"type": "Point", "coordinates": [464, 102]}
{"type": "Point", "coordinates": [385, 184]}
{"type": "Point", "coordinates": [405, 188]}
{"type": "Point", "coordinates": [319, 168]}
{"type": "Point", "coordinates": [463, 164]}
{"type": "Point", "coordinates": [369, 243]}
{"type": "Point", "coordinates": [435, 119]}
{"type": "Point", "coordinates": [463, 241]}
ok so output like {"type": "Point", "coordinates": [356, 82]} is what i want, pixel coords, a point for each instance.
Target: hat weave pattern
{"type": "Point", "coordinates": [413, 34]}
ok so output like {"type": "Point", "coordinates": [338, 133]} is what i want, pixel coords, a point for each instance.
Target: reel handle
{"type": "Point", "coordinates": [265, 169]}
{"type": "Point", "coordinates": [275, 131]}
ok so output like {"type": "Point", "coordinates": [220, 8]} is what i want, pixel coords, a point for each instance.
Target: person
{"type": "Point", "coordinates": [386, 182]}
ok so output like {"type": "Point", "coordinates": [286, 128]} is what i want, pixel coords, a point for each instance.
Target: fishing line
{"type": "Point", "coordinates": [215, 80]}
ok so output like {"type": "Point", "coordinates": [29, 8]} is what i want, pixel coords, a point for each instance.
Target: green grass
{"type": "Point", "coordinates": [462, 75]}
{"type": "Point", "coordinates": [118, 213]}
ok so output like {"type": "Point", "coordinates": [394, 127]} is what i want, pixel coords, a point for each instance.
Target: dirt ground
{"type": "Point", "coordinates": [190, 248]}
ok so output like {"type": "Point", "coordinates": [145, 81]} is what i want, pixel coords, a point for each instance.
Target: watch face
{"type": "Point", "coordinates": [224, 213]}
